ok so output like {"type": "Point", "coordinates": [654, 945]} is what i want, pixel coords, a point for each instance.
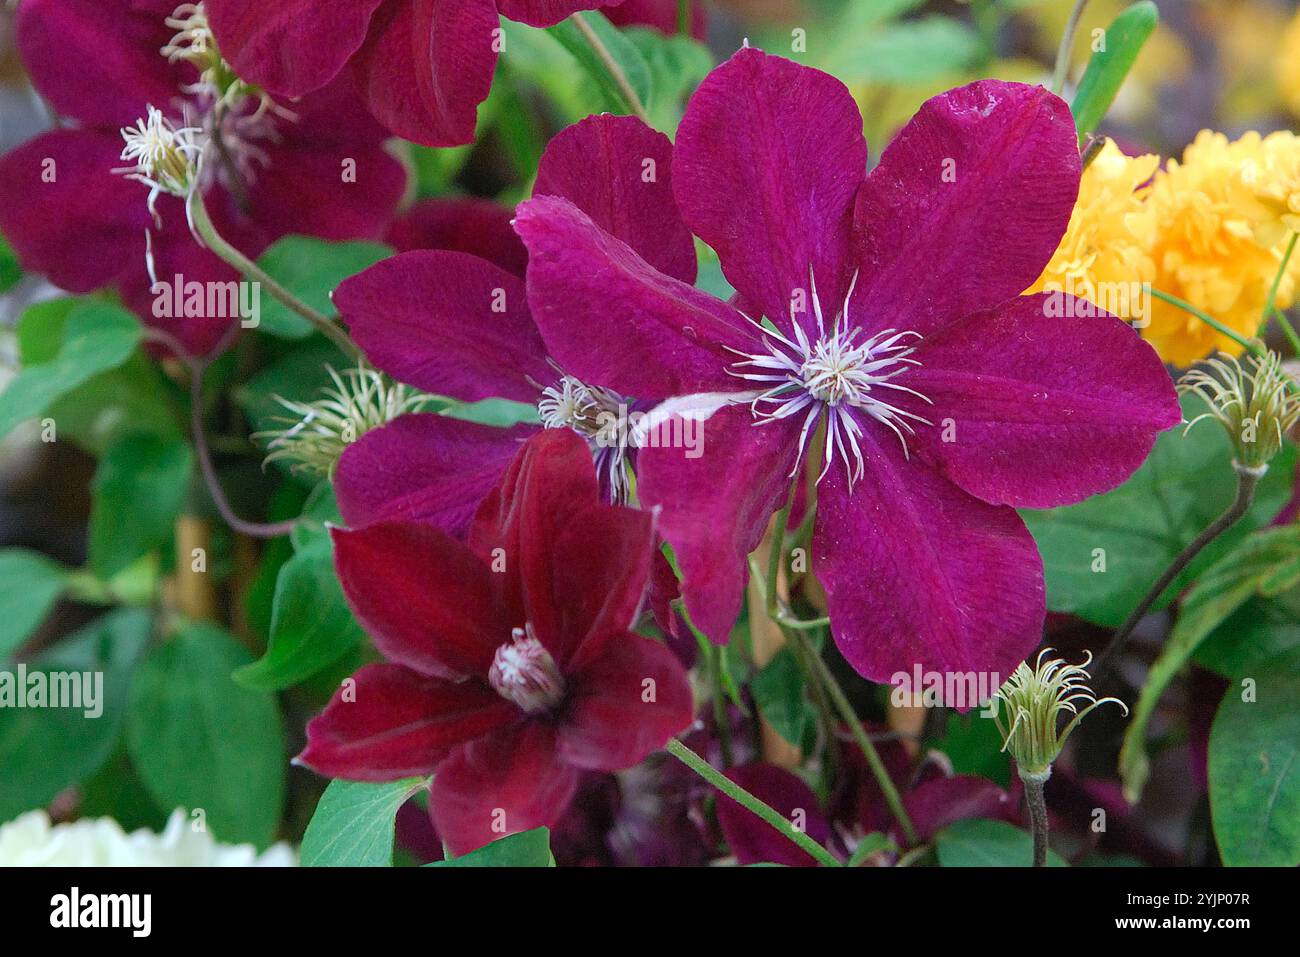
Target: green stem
{"type": "Point", "coordinates": [845, 708]}
{"type": "Point", "coordinates": [232, 256]}
{"type": "Point", "coordinates": [615, 71]}
{"type": "Point", "coordinates": [684, 17]}
{"type": "Point", "coordinates": [1270, 308]}
{"type": "Point", "coordinates": [746, 800]}
{"type": "Point", "coordinates": [1067, 45]}
{"type": "Point", "coordinates": [720, 717]}
{"type": "Point", "coordinates": [1037, 817]}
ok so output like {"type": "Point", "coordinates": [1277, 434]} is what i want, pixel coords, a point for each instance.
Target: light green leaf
{"type": "Point", "coordinates": [29, 585]}
{"type": "Point", "coordinates": [1259, 629]}
{"type": "Point", "coordinates": [624, 52]}
{"type": "Point", "coordinates": [677, 66]}
{"type": "Point", "coordinates": [525, 849]}
{"type": "Point", "coordinates": [913, 51]}
{"type": "Point", "coordinates": [1254, 769]}
{"type": "Point", "coordinates": [987, 843]}
{"type": "Point", "coordinates": [354, 823]}
{"type": "Point", "coordinates": [779, 693]}
{"type": "Point", "coordinates": [140, 486]}
{"type": "Point", "coordinates": [1265, 564]}
{"type": "Point", "coordinates": [311, 269]}
{"type": "Point", "coordinates": [200, 741]}
{"type": "Point", "coordinates": [97, 337]}
{"type": "Point", "coordinates": [1108, 67]}
{"type": "Point", "coordinates": [45, 750]}
{"type": "Point", "coordinates": [1136, 530]}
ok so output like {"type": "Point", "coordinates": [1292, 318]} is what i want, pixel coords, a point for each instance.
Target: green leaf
{"type": "Point", "coordinates": [311, 269]}
{"type": "Point", "coordinates": [140, 487]}
{"type": "Point", "coordinates": [97, 337]}
{"type": "Point", "coordinates": [1259, 629]}
{"type": "Point", "coordinates": [987, 843]}
{"type": "Point", "coordinates": [1265, 564]}
{"type": "Point", "coordinates": [525, 849]}
{"type": "Point", "coordinates": [354, 823]}
{"type": "Point", "coordinates": [10, 271]}
{"type": "Point", "coordinates": [779, 693]}
{"type": "Point", "coordinates": [1254, 770]}
{"type": "Point", "coordinates": [200, 741]}
{"type": "Point", "coordinates": [1140, 527]}
{"type": "Point", "coordinates": [45, 750]}
{"type": "Point", "coordinates": [319, 511]}
{"type": "Point", "coordinates": [623, 51]}
{"type": "Point", "coordinates": [1107, 68]}
{"type": "Point", "coordinates": [32, 583]}
{"type": "Point", "coordinates": [311, 624]}
{"type": "Point", "coordinates": [299, 375]}
{"type": "Point", "coordinates": [903, 53]}
{"type": "Point", "coordinates": [974, 746]}
{"type": "Point", "coordinates": [677, 66]}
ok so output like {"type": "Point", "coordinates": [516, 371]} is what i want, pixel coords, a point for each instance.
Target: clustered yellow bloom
{"type": "Point", "coordinates": [1211, 229]}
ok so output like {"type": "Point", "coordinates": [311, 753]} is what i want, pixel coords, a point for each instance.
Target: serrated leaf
{"type": "Point", "coordinates": [1263, 562]}
{"type": "Point", "coordinates": [1140, 527]}
{"type": "Point", "coordinates": [311, 269]}
{"type": "Point", "coordinates": [1254, 769]}
{"type": "Point", "coordinates": [525, 849]}
{"type": "Point", "coordinates": [200, 741]}
{"type": "Point", "coordinates": [983, 842]}
{"type": "Point", "coordinates": [29, 585]}
{"type": "Point", "coordinates": [1108, 67]}
{"type": "Point", "coordinates": [139, 489]}
{"type": "Point", "coordinates": [354, 823]}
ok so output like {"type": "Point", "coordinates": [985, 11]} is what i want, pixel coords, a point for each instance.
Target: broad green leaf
{"type": "Point", "coordinates": [525, 849]}
{"type": "Point", "coordinates": [1108, 67]}
{"type": "Point", "coordinates": [45, 750]}
{"type": "Point", "coordinates": [311, 624]}
{"type": "Point", "coordinates": [10, 271]}
{"type": "Point", "coordinates": [983, 842]}
{"type": "Point", "coordinates": [623, 51]}
{"type": "Point", "coordinates": [1265, 564]}
{"type": "Point", "coordinates": [140, 486]}
{"type": "Point", "coordinates": [354, 823]}
{"type": "Point", "coordinates": [1254, 769]}
{"type": "Point", "coordinates": [677, 66]}
{"type": "Point", "coordinates": [29, 585]}
{"type": "Point", "coordinates": [910, 52]}
{"type": "Point", "coordinates": [200, 741]}
{"type": "Point", "coordinates": [1136, 530]}
{"type": "Point", "coordinates": [319, 511]}
{"type": "Point", "coordinates": [96, 337]}
{"type": "Point", "coordinates": [311, 269]}
{"type": "Point", "coordinates": [299, 375]}
{"type": "Point", "coordinates": [974, 746]}
{"type": "Point", "coordinates": [779, 693]}
{"type": "Point", "coordinates": [1262, 628]}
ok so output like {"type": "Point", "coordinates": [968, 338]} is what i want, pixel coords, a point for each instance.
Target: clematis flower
{"type": "Point", "coordinates": [422, 66]}
{"type": "Point", "coordinates": [510, 666]}
{"type": "Point", "coordinates": [455, 324]}
{"type": "Point", "coordinates": [88, 204]}
{"type": "Point", "coordinates": [882, 310]}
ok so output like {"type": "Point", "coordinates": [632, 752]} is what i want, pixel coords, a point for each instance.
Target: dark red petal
{"type": "Point", "coordinates": [618, 171]}
{"type": "Point", "coordinates": [547, 13]}
{"type": "Point", "coordinates": [628, 695]}
{"type": "Point", "coordinates": [388, 722]}
{"type": "Point", "coordinates": [507, 782]}
{"type": "Point", "coordinates": [751, 839]}
{"type": "Point", "coordinates": [427, 601]}
{"type": "Point", "coordinates": [480, 227]}
{"type": "Point", "coordinates": [935, 804]}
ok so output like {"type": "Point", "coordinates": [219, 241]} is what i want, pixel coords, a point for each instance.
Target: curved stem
{"type": "Point", "coordinates": [1067, 44]}
{"type": "Point", "coordinates": [1270, 307]}
{"type": "Point", "coordinates": [1247, 482]}
{"type": "Point", "coordinates": [615, 71]}
{"type": "Point", "coordinates": [746, 800]}
{"type": "Point", "coordinates": [1037, 816]}
{"type": "Point", "coordinates": [214, 241]}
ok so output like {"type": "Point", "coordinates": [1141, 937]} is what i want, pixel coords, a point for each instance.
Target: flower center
{"type": "Point", "coordinates": [842, 373]}
{"type": "Point", "coordinates": [597, 415]}
{"type": "Point", "coordinates": [524, 672]}
{"type": "Point", "coordinates": [166, 158]}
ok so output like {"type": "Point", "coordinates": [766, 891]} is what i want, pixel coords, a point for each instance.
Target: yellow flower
{"type": "Point", "coordinates": [1105, 254]}
{"type": "Point", "coordinates": [1286, 66]}
{"type": "Point", "coordinates": [1221, 219]}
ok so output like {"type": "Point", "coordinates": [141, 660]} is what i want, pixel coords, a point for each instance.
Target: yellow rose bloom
{"type": "Point", "coordinates": [1105, 255]}
{"type": "Point", "coordinates": [1220, 223]}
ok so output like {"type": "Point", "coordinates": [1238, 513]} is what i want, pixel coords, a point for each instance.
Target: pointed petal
{"type": "Point", "coordinates": [768, 159]}
{"type": "Point", "coordinates": [394, 723]}
{"type": "Point", "coordinates": [967, 205]}
{"type": "Point", "coordinates": [917, 572]}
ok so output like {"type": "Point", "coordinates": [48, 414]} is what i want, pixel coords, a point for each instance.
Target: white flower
{"type": "Point", "coordinates": [32, 841]}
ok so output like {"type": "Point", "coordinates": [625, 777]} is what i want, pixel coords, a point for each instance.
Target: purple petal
{"type": "Point", "coordinates": [427, 65]}
{"type": "Point", "coordinates": [547, 13]}
{"type": "Point", "coordinates": [967, 205]}
{"type": "Point", "coordinates": [660, 14]}
{"type": "Point", "coordinates": [480, 227]}
{"type": "Point", "coordinates": [426, 468]}
{"type": "Point", "coordinates": [937, 803]}
{"type": "Point", "coordinates": [669, 338]}
{"type": "Point", "coordinates": [448, 323]}
{"type": "Point", "coordinates": [290, 47]}
{"type": "Point", "coordinates": [1034, 410]}
{"type": "Point", "coordinates": [716, 506]}
{"type": "Point", "coordinates": [618, 171]}
{"type": "Point", "coordinates": [917, 572]}
{"type": "Point", "coordinates": [751, 839]}
{"type": "Point", "coordinates": [769, 157]}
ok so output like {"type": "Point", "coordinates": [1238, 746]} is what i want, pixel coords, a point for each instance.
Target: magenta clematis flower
{"type": "Point", "coordinates": [511, 667]}
{"type": "Point", "coordinates": [882, 310]}
{"type": "Point", "coordinates": [107, 65]}
{"type": "Point", "coordinates": [456, 324]}
{"type": "Point", "coordinates": [422, 66]}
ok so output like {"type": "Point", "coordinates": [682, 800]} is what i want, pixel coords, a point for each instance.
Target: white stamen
{"type": "Point", "coordinates": [595, 414]}
{"type": "Point", "coordinates": [524, 672]}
